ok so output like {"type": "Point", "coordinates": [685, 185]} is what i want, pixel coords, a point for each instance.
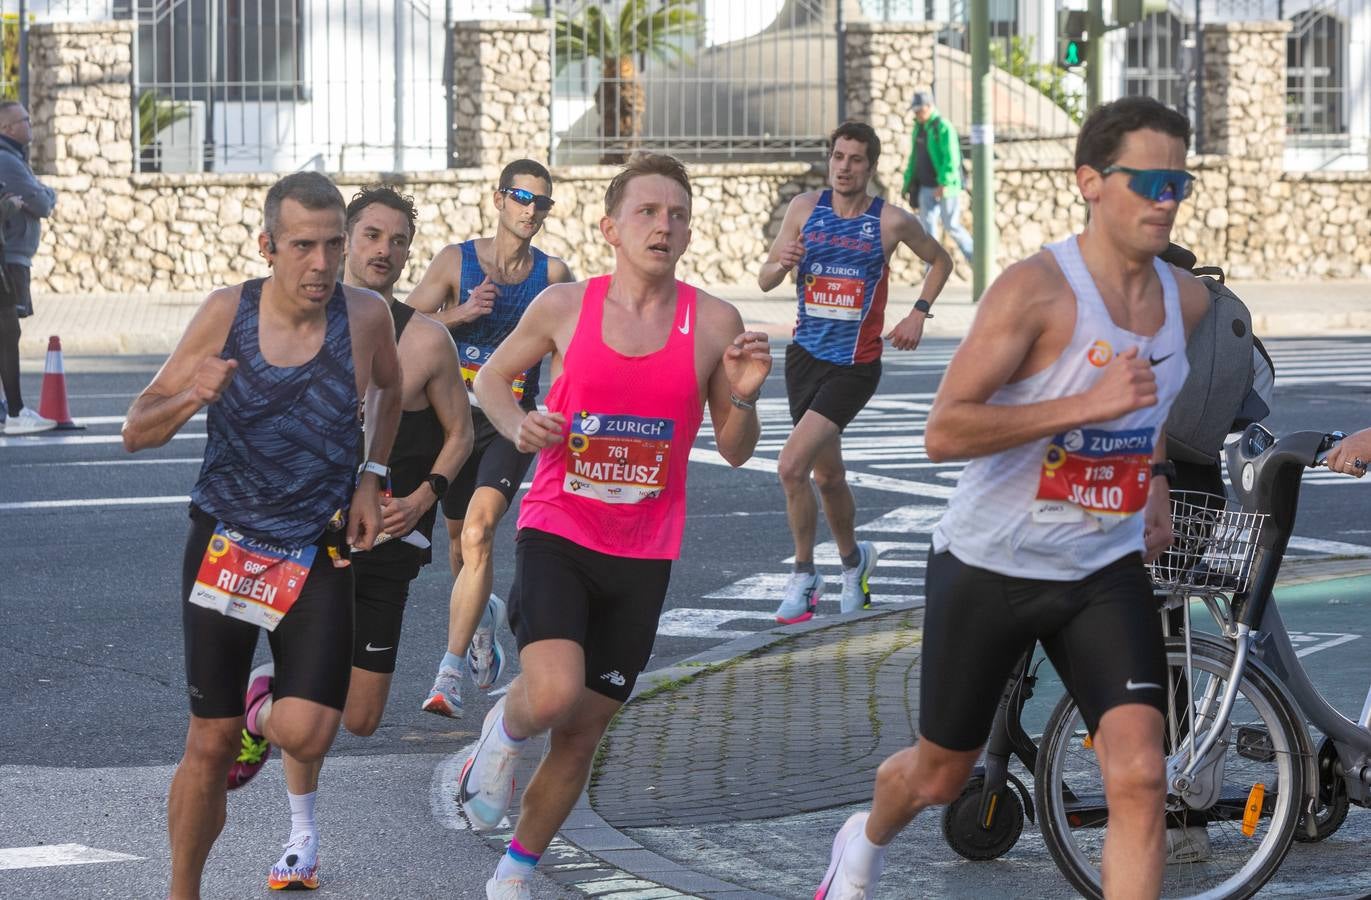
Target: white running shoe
{"type": "Point", "coordinates": [487, 781]}
{"type": "Point", "coordinates": [508, 889]}
{"type": "Point", "coordinates": [298, 867]}
{"type": "Point", "coordinates": [838, 883]}
{"type": "Point", "coordinates": [485, 656]}
{"type": "Point", "coordinates": [856, 587]}
{"type": "Point", "coordinates": [445, 698]}
{"type": "Point", "coordinates": [801, 600]}
{"type": "Point", "coordinates": [28, 422]}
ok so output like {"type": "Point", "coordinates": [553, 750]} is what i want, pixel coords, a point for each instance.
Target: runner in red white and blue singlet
{"type": "Point", "coordinates": [841, 285]}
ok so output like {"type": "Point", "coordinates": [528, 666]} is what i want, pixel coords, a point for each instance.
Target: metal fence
{"type": "Point", "coordinates": [704, 79]}
{"type": "Point", "coordinates": [251, 85]}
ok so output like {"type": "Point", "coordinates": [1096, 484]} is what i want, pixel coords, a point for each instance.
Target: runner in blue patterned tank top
{"type": "Point", "coordinates": [839, 242]}
{"type": "Point", "coordinates": [480, 289]}
{"type": "Point", "coordinates": [280, 365]}
{"type": "Point", "coordinates": [431, 444]}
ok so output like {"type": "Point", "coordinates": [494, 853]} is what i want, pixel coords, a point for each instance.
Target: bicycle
{"type": "Point", "coordinates": [1244, 778]}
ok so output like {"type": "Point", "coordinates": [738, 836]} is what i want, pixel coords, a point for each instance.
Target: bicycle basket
{"type": "Point", "coordinates": [1211, 548]}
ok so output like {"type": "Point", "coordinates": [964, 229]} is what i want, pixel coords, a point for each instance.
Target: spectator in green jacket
{"type": "Point", "coordinates": [933, 178]}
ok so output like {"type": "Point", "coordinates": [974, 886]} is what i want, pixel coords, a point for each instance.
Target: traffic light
{"type": "Point", "coordinates": [1073, 47]}
{"type": "Point", "coordinates": [1127, 12]}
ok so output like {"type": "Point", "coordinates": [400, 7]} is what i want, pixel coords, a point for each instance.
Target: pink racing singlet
{"type": "Point", "coordinates": [617, 483]}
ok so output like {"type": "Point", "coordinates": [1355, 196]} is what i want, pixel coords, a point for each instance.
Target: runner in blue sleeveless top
{"type": "Point", "coordinates": [280, 364]}
{"type": "Point", "coordinates": [839, 242]}
{"type": "Point", "coordinates": [431, 443]}
{"type": "Point", "coordinates": [480, 289]}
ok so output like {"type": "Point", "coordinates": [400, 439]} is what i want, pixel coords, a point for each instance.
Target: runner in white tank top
{"type": "Point", "coordinates": [1058, 395]}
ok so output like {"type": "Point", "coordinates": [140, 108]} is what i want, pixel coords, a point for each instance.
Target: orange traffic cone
{"type": "Point", "coordinates": [53, 403]}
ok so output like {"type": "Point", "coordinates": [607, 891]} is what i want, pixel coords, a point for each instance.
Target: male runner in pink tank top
{"type": "Point", "coordinates": [636, 357]}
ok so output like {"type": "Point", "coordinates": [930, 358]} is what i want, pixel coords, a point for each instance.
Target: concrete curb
{"type": "Point", "coordinates": [586, 829]}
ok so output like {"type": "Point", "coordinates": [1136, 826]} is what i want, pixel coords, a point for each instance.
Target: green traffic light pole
{"type": "Point", "coordinates": [1094, 66]}
{"type": "Point", "coordinates": [982, 151]}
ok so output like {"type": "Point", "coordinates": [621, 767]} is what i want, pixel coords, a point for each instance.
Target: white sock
{"type": "Point", "coordinates": [505, 737]}
{"type": "Point", "coordinates": [302, 814]}
{"type": "Point", "coordinates": [863, 860]}
{"type": "Point", "coordinates": [263, 713]}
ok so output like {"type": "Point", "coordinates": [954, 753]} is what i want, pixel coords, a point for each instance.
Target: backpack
{"type": "Point", "coordinates": [1231, 374]}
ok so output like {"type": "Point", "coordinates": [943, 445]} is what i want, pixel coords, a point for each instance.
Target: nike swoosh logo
{"type": "Point", "coordinates": [1157, 362]}
{"type": "Point", "coordinates": [685, 329]}
{"type": "Point", "coordinates": [378, 649]}
{"type": "Point", "coordinates": [1141, 685]}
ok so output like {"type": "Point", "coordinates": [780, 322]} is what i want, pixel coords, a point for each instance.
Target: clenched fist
{"type": "Point", "coordinates": [211, 377]}
{"type": "Point", "coordinates": [791, 254]}
{"type": "Point", "coordinates": [480, 302]}
{"type": "Point", "coordinates": [1128, 383]}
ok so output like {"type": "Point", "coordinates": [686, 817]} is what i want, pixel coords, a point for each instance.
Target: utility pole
{"type": "Point", "coordinates": [982, 151]}
{"type": "Point", "coordinates": [1094, 69]}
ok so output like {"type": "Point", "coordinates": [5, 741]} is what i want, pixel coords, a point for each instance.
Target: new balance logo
{"type": "Point", "coordinates": [614, 678]}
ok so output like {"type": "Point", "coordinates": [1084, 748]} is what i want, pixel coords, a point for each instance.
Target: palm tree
{"type": "Point", "coordinates": [155, 113]}
{"type": "Point", "coordinates": [622, 44]}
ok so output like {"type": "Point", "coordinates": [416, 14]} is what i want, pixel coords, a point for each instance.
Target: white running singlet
{"type": "Point", "coordinates": [1062, 507]}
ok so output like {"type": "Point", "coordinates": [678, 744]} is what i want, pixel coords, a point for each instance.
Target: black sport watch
{"type": "Point", "coordinates": [1165, 470]}
{"type": "Point", "coordinates": [438, 483]}
{"type": "Point", "coordinates": [923, 306]}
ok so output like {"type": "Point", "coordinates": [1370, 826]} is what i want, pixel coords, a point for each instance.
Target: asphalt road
{"type": "Point", "coordinates": [91, 676]}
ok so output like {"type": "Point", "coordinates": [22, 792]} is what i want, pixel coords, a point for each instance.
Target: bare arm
{"type": "Point", "coordinates": [533, 338]}
{"type": "Point", "coordinates": [430, 341]}
{"type": "Point", "coordinates": [1012, 317]}
{"type": "Point", "coordinates": [906, 229]}
{"type": "Point", "coordinates": [192, 377]}
{"type": "Point", "coordinates": [788, 249]}
{"type": "Point", "coordinates": [382, 416]}
{"type": "Point", "coordinates": [558, 272]}
{"type": "Point", "coordinates": [743, 365]}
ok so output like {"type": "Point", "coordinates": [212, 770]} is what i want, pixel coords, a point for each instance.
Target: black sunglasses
{"type": "Point", "coordinates": [522, 197]}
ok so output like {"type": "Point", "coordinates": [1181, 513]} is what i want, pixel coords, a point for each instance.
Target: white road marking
{"type": "Point", "coordinates": [860, 479]}
{"type": "Point", "coordinates": [1329, 548]}
{"type": "Point", "coordinates": [58, 855]}
{"type": "Point", "coordinates": [110, 462]}
{"type": "Point", "coordinates": [442, 793]}
{"type": "Point", "coordinates": [907, 520]}
{"type": "Point", "coordinates": [1335, 639]}
{"type": "Point", "coordinates": [119, 420]}
{"type": "Point", "coordinates": [96, 501]}
{"type": "Point", "coordinates": [60, 439]}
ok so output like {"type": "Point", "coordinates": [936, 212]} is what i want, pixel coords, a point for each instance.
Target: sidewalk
{"type": "Point", "coordinates": [117, 324]}
{"type": "Point", "coordinates": [727, 776]}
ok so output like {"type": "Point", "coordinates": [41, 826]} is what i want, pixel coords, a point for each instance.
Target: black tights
{"type": "Point", "coordinates": [9, 358]}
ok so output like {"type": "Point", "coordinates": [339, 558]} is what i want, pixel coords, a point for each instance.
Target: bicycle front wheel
{"type": "Point", "coordinates": [1216, 847]}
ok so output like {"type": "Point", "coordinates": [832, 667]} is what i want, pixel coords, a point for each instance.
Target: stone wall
{"type": "Point", "coordinates": [502, 105]}
{"type": "Point", "coordinates": [886, 63]}
{"type": "Point", "coordinates": [81, 86]}
{"type": "Point", "coordinates": [191, 233]}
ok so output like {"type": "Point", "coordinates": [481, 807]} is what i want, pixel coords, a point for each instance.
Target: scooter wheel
{"type": "Point", "coordinates": [976, 840]}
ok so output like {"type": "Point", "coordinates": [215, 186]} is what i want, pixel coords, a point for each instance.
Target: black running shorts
{"type": "Point", "coordinates": [494, 462]}
{"type": "Point", "coordinates": [381, 594]}
{"type": "Point", "coordinates": [608, 604]}
{"type": "Point", "coordinates": [1103, 635]}
{"type": "Point", "coordinates": [312, 646]}
{"type": "Point", "coordinates": [835, 392]}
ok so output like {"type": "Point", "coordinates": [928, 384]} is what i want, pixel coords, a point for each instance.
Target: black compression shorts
{"type": "Point", "coordinates": [1103, 635]}
{"type": "Point", "coordinates": [494, 462]}
{"type": "Point", "coordinates": [312, 646]}
{"type": "Point", "coordinates": [835, 392]}
{"type": "Point", "coordinates": [608, 604]}
{"type": "Point", "coordinates": [382, 591]}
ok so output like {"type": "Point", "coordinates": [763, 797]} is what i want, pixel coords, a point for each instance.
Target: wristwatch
{"type": "Point", "coordinates": [923, 306]}
{"type": "Point", "coordinates": [1165, 470]}
{"type": "Point", "coordinates": [375, 468]}
{"type": "Point", "coordinates": [438, 483]}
